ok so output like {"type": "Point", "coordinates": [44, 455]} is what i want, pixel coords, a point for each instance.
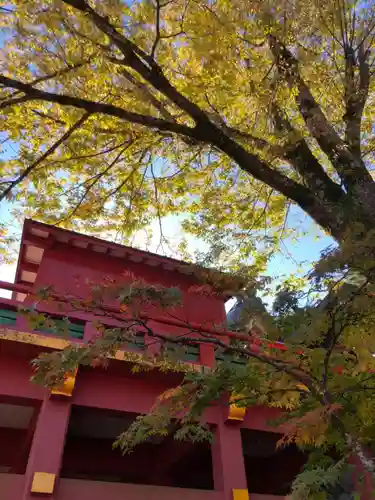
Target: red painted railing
{"type": "Point", "coordinates": [12, 319]}
{"type": "Point", "coordinates": [171, 321]}
{"type": "Point", "coordinates": [11, 488]}
{"type": "Point", "coordinates": [14, 287]}
{"type": "Point", "coordinates": [206, 351]}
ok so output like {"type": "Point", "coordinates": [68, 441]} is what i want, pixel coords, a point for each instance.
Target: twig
{"type": "Point", "coordinates": [95, 180]}
{"type": "Point", "coordinates": [157, 28]}
{"type": "Point", "coordinates": [49, 151]}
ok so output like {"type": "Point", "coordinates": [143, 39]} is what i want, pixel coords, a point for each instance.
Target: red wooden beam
{"type": "Point", "coordinates": [15, 287]}
{"type": "Point", "coordinates": [37, 241]}
{"type": "Point", "coordinates": [29, 266]}
{"type": "Point", "coordinates": [26, 284]}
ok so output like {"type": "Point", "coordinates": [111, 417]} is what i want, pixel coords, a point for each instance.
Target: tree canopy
{"type": "Point", "coordinates": [228, 111]}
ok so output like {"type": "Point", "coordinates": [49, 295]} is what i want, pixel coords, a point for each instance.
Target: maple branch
{"type": "Point", "coordinates": [45, 155]}
{"type": "Point", "coordinates": [333, 335]}
{"type": "Point", "coordinates": [278, 365]}
{"type": "Point", "coordinates": [290, 367]}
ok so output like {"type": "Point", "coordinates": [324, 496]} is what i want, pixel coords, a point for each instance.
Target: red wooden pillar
{"type": "Point", "coordinates": [47, 448]}
{"type": "Point", "coordinates": [228, 462]}
{"type": "Point", "coordinates": [90, 332]}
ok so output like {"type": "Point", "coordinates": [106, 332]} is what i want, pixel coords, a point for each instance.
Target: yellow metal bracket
{"type": "Point", "coordinates": [240, 494]}
{"type": "Point", "coordinates": [235, 413]}
{"type": "Point", "coordinates": [43, 482]}
{"type": "Point", "coordinates": [66, 389]}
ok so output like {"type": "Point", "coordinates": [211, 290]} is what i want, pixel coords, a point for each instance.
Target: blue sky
{"type": "Point", "coordinates": [298, 255]}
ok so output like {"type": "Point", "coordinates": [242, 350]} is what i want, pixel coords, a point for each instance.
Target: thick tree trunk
{"type": "Point", "coordinates": [355, 214]}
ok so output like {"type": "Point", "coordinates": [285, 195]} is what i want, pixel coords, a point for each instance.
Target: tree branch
{"type": "Point", "coordinates": [96, 107]}
{"type": "Point", "coordinates": [157, 29]}
{"type": "Point", "coordinates": [149, 96]}
{"type": "Point", "coordinates": [351, 170]}
{"type": "Point", "coordinates": [355, 96]}
{"type": "Point", "coordinates": [303, 161]}
{"type": "Point", "coordinates": [203, 134]}
{"type": "Point", "coordinates": [45, 78]}
{"type": "Point", "coordinates": [94, 180]}
{"type": "Point", "coordinates": [278, 365]}
{"type": "Point", "coordinates": [205, 130]}
{"type": "Point", "coordinates": [139, 61]}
